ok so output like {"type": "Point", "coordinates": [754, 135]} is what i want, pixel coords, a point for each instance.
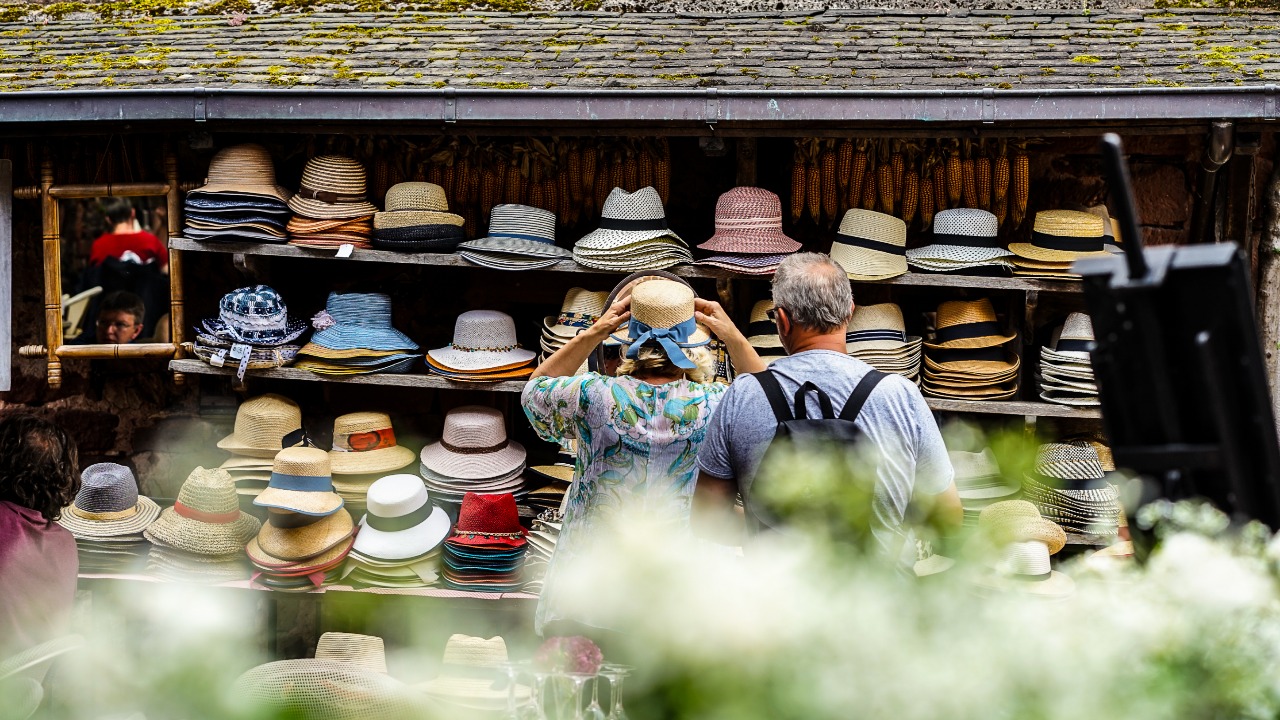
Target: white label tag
{"type": "Point", "coordinates": [345, 250]}
{"type": "Point", "coordinates": [239, 351]}
{"type": "Point", "coordinates": [218, 359]}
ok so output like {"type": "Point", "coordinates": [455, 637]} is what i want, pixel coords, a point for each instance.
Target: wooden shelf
{"type": "Point", "coordinates": [199, 367]}
{"type": "Point", "coordinates": [1012, 407]}
{"type": "Point", "coordinates": [432, 592]}
{"type": "Point", "coordinates": [978, 282]}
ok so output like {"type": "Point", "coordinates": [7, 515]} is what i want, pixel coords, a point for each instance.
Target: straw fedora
{"type": "Point", "coordinates": [662, 317]}
{"type": "Point", "coordinates": [762, 332]}
{"type": "Point", "coordinates": [1067, 461]}
{"type": "Point", "coordinates": [520, 230]}
{"type": "Point", "coordinates": [242, 170]}
{"type": "Point", "coordinates": [401, 522]}
{"type": "Point", "coordinates": [1073, 342]}
{"type": "Point", "coordinates": [474, 446]}
{"type": "Point", "coordinates": [1011, 521]}
{"type": "Point", "coordinates": [301, 482]}
{"type": "Point", "coordinates": [364, 651]}
{"type": "Point", "coordinates": [962, 235]}
{"type": "Point", "coordinates": [289, 536]}
{"type": "Point", "coordinates": [1063, 236]}
{"type": "Point", "coordinates": [206, 518]}
{"type": "Point", "coordinates": [628, 218]}
{"type": "Point", "coordinates": [261, 424]}
{"type": "Point", "coordinates": [482, 340]}
{"type": "Point", "coordinates": [471, 674]}
{"type": "Point", "coordinates": [365, 442]}
{"type": "Point", "coordinates": [879, 327]}
{"type": "Point", "coordinates": [108, 504]}
{"type": "Point", "coordinates": [255, 315]}
{"type": "Point", "coordinates": [978, 477]}
{"type": "Point", "coordinates": [870, 245]}
{"type": "Point", "coordinates": [749, 222]}
{"type": "Point", "coordinates": [967, 324]}
{"type": "Point", "coordinates": [487, 520]}
{"type": "Point", "coordinates": [579, 311]}
{"type": "Point", "coordinates": [362, 321]}
{"type": "Point", "coordinates": [411, 204]}
{"type": "Point", "coordinates": [333, 187]}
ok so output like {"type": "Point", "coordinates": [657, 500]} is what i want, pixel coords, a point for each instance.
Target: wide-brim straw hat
{"type": "Point", "coordinates": [364, 651]}
{"type": "Point", "coordinates": [415, 203]}
{"type": "Point", "coordinates": [1012, 521]}
{"type": "Point", "coordinates": [206, 519]}
{"type": "Point", "coordinates": [749, 222]}
{"type": "Point", "coordinates": [870, 245]}
{"type": "Point", "coordinates": [401, 523]}
{"type": "Point", "coordinates": [579, 311]}
{"type": "Point", "coordinates": [1063, 236]}
{"type": "Point", "coordinates": [877, 327]}
{"type": "Point", "coordinates": [301, 482]}
{"type": "Point", "coordinates": [291, 541]}
{"type": "Point", "coordinates": [327, 689]}
{"type": "Point", "coordinates": [628, 218]}
{"type": "Point", "coordinates": [961, 324]}
{"type": "Point", "coordinates": [662, 305]}
{"type": "Point", "coordinates": [461, 678]}
{"type": "Point", "coordinates": [962, 235]}
{"type": "Point", "coordinates": [261, 424]}
{"type": "Point", "coordinates": [482, 340]}
{"type": "Point", "coordinates": [242, 170]}
{"type": "Point", "coordinates": [364, 443]}
{"type": "Point", "coordinates": [108, 504]}
{"type": "Point", "coordinates": [130, 521]}
{"type": "Point", "coordinates": [333, 187]}
{"type": "Point", "coordinates": [474, 446]}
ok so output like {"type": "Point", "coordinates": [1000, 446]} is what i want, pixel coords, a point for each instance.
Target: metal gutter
{"type": "Point", "coordinates": [641, 106]}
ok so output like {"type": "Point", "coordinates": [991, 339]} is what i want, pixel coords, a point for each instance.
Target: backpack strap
{"type": "Point", "coordinates": [824, 402]}
{"type": "Point", "coordinates": [860, 395]}
{"type": "Point", "coordinates": [773, 391]}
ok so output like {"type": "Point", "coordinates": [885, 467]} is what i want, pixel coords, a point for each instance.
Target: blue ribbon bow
{"type": "Point", "coordinates": [671, 340]}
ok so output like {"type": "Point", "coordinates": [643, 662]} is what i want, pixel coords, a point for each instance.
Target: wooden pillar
{"type": "Point", "coordinates": [1268, 290]}
{"type": "Point", "coordinates": [746, 148]}
{"type": "Point", "coordinates": [177, 319]}
{"type": "Point", "coordinates": [52, 274]}
{"type": "Point", "coordinates": [6, 272]}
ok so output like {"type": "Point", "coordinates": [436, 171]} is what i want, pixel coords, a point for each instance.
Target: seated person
{"type": "Point", "coordinates": [119, 321]}
{"type": "Point", "coordinates": [39, 476]}
{"type": "Point", "coordinates": [127, 241]}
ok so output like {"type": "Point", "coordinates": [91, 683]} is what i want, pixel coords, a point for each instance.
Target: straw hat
{"type": "Point", "coordinates": [964, 324]}
{"type": "Point", "coordinates": [285, 536]}
{"type": "Point", "coordinates": [628, 218]}
{"type": "Point", "coordinates": [962, 235]}
{"type": "Point", "coordinates": [762, 332]}
{"type": "Point", "coordinates": [662, 313]}
{"type": "Point", "coordinates": [878, 327]}
{"type": "Point", "coordinates": [108, 504]}
{"type": "Point", "coordinates": [333, 187]}
{"type": "Point", "coordinates": [255, 315]}
{"type": "Point", "coordinates": [978, 476]}
{"type": "Point", "coordinates": [463, 678]}
{"type": "Point", "coordinates": [870, 245]}
{"type": "Point", "coordinates": [520, 230]}
{"type": "Point", "coordinates": [301, 482]}
{"type": "Point", "coordinates": [1066, 461]}
{"type": "Point", "coordinates": [1063, 236]}
{"type": "Point", "coordinates": [364, 442]}
{"type": "Point", "coordinates": [327, 689]}
{"type": "Point", "coordinates": [358, 321]}
{"type": "Point", "coordinates": [401, 522]}
{"type": "Point", "coordinates": [482, 340]}
{"type": "Point", "coordinates": [489, 520]}
{"type": "Point", "coordinates": [411, 204]}
{"type": "Point", "coordinates": [1025, 568]}
{"type": "Point", "coordinates": [1012, 521]}
{"type": "Point", "coordinates": [206, 519]}
{"type": "Point", "coordinates": [364, 651]}
{"type": "Point", "coordinates": [474, 446]}
{"type": "Point", "coordinates": [261, 424]}
{"type": "Point", "coordinates": [242, 170]}
{"type": "Point", "coordinates": [749, 221]}
{"type": "Point", "coordinates": [579, 311]}
{"type": "Point", "coordinates": [1073, 342]}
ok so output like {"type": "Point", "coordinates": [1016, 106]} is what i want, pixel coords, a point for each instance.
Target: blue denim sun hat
{"type": "Point", "coordinates": [359, 321]}
{"type": "Point", "coordinates": [254, 315]}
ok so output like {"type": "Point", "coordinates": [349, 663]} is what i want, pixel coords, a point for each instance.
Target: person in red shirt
{"type": "Point", "coordinates": [127, 241]}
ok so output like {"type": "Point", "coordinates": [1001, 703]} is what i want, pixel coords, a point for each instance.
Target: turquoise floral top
{"type": "Point", "coordinates": [636, 454]}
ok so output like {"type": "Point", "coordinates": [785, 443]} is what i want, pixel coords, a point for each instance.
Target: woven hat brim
{"type": "Point", "coordinates": [911, 345]}
{"type": "Point", "coordinates": [976, 343]}
{"type": "Point", "coordinates": [1058, 586]}
{"type": "Point", "coordinates": [957, 254]}
{"type": "Point", "coordinates": [303, 503]}
{"type": "Point", "coordinates": [232, 188]}
{"type": "Point", "coordinates": [271, 565]}
{"type": "Point", "coordinates": [563, 333]}
{"type": "Point", "coordinates": [356, 337]}
{"type": "Point", "coordinates": [237, 463]}
{"type": "Point", "coordinates": [774, 242]}
{"type": "Point", "coordinates": [146, 513]}
{"type": "Point", "coordinates": [403, 544]}
{"type": "Point", "coordinates": [987, 493]}
{"type": "Point", "coordinates": [372, 461]}
{"type": "Point", "coordinates": [1032, 252]}
{"type": "Point", "coordinates": [478, 466]}
{"type": "Point", "coordinates": [863, 264]}
{"type": "Point", "coordinates": [171, 530]}
{"type": "Point", "coordinates": [500, 263]}
{"type": "Point", "coordinates": [517, 246]}
{"type": "Point", "coordinates": [409, 218]}
{"type": "Point", "coordinates": [472, 361]}
{"type": "Point", "coordinates": [237, 445]}
{"type": "Point", "coordinates": [1080, 358]}
{"type": "Point", "coordinates": [609, 239]}
{"type": "Point", "coordinates": [317, 210]}
{"type": "Point", "coordinates": [295, 545]}
{"type": "Point", "coordinates": [1082, 401]}
{"type": "Point", "coordinates": [558, 473]}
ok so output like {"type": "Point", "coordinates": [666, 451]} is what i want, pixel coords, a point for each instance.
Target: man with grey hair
{"type": "Point", "coordinates": [812, 308]}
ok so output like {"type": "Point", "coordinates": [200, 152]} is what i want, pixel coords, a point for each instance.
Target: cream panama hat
{"type": "Point", "coordinates": [367, 652]}
{"type": "Point", "coordinates": [261, 424]}
{"type": "Point", "coordinates": [108, 504]}
{"type": "Point", "coordinates": [474, 446]}
{"type": "Point", "coordinates": [364, 443]}
{"type": "Point", "coordinates": [662, 317]}
{"type": "Point", "coordinates": [579, 311]}
{"type": "Point", "coordinates": [965, 236]}
{"type": "Point", "coordinates": [463, 678]}
{"type": "Point", "coordinates": [963, 324]}
{"type": "Point", "coordinates": [242, 170]}
{"type": "Point", "coordinates": [410, 204]}
{"type": "Point", "coordinates": [629, 218]}
{"type": "Point", "coordinates": [301, 482]}
{"type": "Point", "coordinates": [1063, 236]}
{"type": "Point", "coordinates": [482, 340]}
{"type": "Point", "coordinates": [870, 245]}
{"type": "Point", "coordinates": [401, 523]}
{"type": "Point", "coordinates": [206, 518]}
{"type": "Point", "coordinates": [333, 188]}
{"type": "Point", "coordinates": [879, 328]}
{"type": "Point", "coordinates": [1073, 342]}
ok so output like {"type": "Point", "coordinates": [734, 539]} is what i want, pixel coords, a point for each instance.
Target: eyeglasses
{"type": "Point", "coordinates": [121, 326]}
{"type": "Point", "coordinates": [773, 314]}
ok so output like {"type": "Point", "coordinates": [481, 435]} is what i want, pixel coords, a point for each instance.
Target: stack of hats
{"type": "Point", "coordinates": [762, 333]}
{"type": "Point", "coordinates": [579, 311]}
{"type": "Point", "coordinates": [354, 337]}
{"type": "Point", "coordinates": [871, 245]}
{"type": "Point", "coordinates": [550, 483]}
{"type": "Point", "coordinates": [1023, 543]}
{"type": "Point", "coordinates": [1058, 239]}
{"type": "Point", "coordinates": [964, 243]}
{"type": "Point", "coordinates": [240, 201]}
{"type": "Point", "coordinates": [308, 533]}
{"type": "Point", "coordinates": [748, 238]}
{"type": "Point", "coordinates": [364, 449]}
{"type": "Point", "coordinates": [331, 209]}
{"type": "Point", "coordinates": [1066, 370]}
{"type": "Point", "coordinates": [400, 536]}
{"type": "Point", "coordinates": [262, 423]}
{"type": "Point", "coordinates": [486, 551]}
{"type": "Point", "coordinates": [967, 358]}
{"type": "Point", "coordinates": [1069, 487]}
{"type": "Point", "coordinates": [471, 683]}
{"type": "Point", "coordinates": [979, 482]}
{"type": "Point", "coordinates": [877, 335]}
{"type": "Point", "coordinates": [520, 238]}
{"type": "Point", "coordinates": [542, 545]}
{"type": "Point", "coordinates": [473, 455]}
{"type": "Point", "coordinates": [633, 235]}
{"type": "Point", "coordinates": [1110, 228]}
{"type": "Point", "coordinates": [417, 219]}
{"type": "Point", "coordinates": [107, 519]}
{"type": "Point", "coordinates": [253, 331]}
{"type": "Point", "coordinates": [202, 537]}
{"type": "Point", "coordinates": [484, 349]}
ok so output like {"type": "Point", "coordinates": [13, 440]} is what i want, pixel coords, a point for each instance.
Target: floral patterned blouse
{"type": "Point", "coordinates": [636, 453]}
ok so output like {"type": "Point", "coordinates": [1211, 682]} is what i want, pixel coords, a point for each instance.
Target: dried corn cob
{"type": "Point", "coordinates": [589, 158]}
{"type": "Point", "coordinates": [884, 181]}
{"type": "Point", "coordinates": [536, 197]}
{"type": "Point", "coordinates": [910, 195]}
{"type": "Point", "coordinates": [844, 165]}
{"type": "Point", "coordinates": [939, 186]}
{"type": "Point", "coordinates": [813, 189]}
{"type": "Point", "coordinates": [644, 167]}
{"type": "Point", "coordinates": [630, 170]}
{"type": "Point", "coordinates": [435, 174]}
{"type": "Point", "coordinates": [797, 187]}
{"type": "Point", "coordinates": [1021, 179]}
{"type": "Point", "coordinates": [603, 188]}
{"type": "Point", "coordinates": [489, 189]}
{"type": "Point", "coordinates": [927, 203]}
{"type": "Point", "coordinates": [830, 184]}
{"type": "Point", "coordinates": [1000, 207]}
{"type": "Point", "coordinates": [870, 196]}
{"type": "Point", "coordinates": [511, 189]}
{"type": "Point", "coordinates": [469, 222]}
{"type": "Point", "coordinates": [662, 171]}
{"type": "Point", "coordinates": [1000, 174]}
{"type": "Point", "coordinates": [461, 180]}
{"type": "Point", "coordinates": [573, 164]}
{"type": "Point", "coordinates": [447, 181]}
{"type": "Point", "coordinates": [982, 176]}
{"type": "Point", "coordinates": [899, 164]}
{"type": "Point", "coordinates": [955, 179]}
{"type": "Point", "coordinates": [551, 195]}
{"type": "Point", "coordinates": [567, 207]}
{"type": "Point", "coordinates": [968, 176]}
{"type": "Point", "coordinates": [617, 173]}
{"type": "Point", "coordinates": [857, 174]}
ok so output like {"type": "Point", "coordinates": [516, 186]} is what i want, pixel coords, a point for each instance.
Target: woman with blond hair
{"type": "Point", "coordinates": [637, 433]}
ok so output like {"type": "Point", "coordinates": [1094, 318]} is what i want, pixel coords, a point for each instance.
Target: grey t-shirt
{"type": "Point", "coordinates": [894, 418]}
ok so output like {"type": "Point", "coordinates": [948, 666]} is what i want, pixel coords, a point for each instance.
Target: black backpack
{"type": "Point", "coordinates": [798, 429]}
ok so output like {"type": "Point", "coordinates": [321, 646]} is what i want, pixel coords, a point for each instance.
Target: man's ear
{"type": "Point", "coordinates": [784, 322]}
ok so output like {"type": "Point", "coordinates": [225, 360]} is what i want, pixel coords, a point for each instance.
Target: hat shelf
{"type": "Point", "coordinates": [200, 367]}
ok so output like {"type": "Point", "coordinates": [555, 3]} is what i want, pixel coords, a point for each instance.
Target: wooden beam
{"type": "Point", "coordinates": [52, 274]}
{"type": "Point", "coordinates": [6, 273]}
{"type": "Point", "coordinates": [1268, 290]}
{"type": "Point", "coordinates": [746, 161]}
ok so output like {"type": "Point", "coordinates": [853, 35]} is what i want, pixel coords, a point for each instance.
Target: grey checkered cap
{"type": "Point", "coordinates": [107, 487]}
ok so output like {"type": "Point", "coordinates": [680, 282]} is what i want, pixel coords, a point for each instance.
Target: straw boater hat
{"type": "Point", "coordinates": [364, 442]}
{"type": "Point", "coordinates": [521, 230]}
{"type": "Point", "coordinates": [474, 446]}
{"type": "Point", "coordinates": [333, 188]}
{"type": "Point", "coordinates": [871, 245]}
{"type": "Point", "coordinates": [967, 324]}
{"type": "Point", "coordinates": [662, 317]}
{"type": "Point", "coordinates": [962, 235]}
{"type": "Point", "coordinates": [415, 203]}
{"type": "Point", "coordinates": [254, 315]}
{"type": "Point", "coordinates": [261, 424]}
{"type": "Point", "coordinates": [362, 321]}
{"type": "Point", "coordinates": [206, 518]}
{"type": "Point", "coordinates": [749, 221]}
{"type": "Point", "coordinates": [482, 340]}
{"type": "Point", "coordinates": [879, 328]}
{"type": "Point", "coordinates": [471, 673]}
{"type": "Point", "coordinates": [365, 651]}
{"type": "Point", "coordinates": [629, 218]}
{"type": "Point", "coordinates": [242, 170]}
{"type": "Point", "coordinates": [108, 504]}
{"type": "Point", "coordinates": [579, 311]}
{"type": "Point", "coordinates": [301, 482]}
{"type": "Point", "coordinates": [1063, 236]}
{"type": "Point", "coordinates": [401, 523]}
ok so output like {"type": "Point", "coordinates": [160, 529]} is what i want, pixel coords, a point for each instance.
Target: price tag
{"type": "Point", "coordinates": [345, 250]}
{"type": "Point", "coordinates": [239, 351]}
{"type": "Point", "coordinates": [219, 358]}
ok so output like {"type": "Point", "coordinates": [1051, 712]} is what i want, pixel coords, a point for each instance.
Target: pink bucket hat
{"type": "Point", "coordinates": [749, 222]}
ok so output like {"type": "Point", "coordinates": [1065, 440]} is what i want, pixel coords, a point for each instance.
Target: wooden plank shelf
{"type": "Point", "coordinates": [431, 592]}
{"type": "Point", "coordinates": [978, 282]}
{"type": "Point", "coordinates": [1012, 407]}
{"type": "Point", "coordinates": [199, 367]}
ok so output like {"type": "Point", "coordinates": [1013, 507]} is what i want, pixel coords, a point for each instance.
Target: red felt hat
{"type": "Point", "coordinates": [488, 520]}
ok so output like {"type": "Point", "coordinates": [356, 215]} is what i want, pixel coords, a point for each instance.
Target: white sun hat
{"type": "Point", "coordinates": [401, 523]}
{"type": "Point", "coordinates": [628, 218]}
{"type": "Point", "coordinates": [870, 245]}
{"type": "Point", "coordinates": [474, 446]}
{"type": "Point", "coordinates": [962, 235]}
{"type": "Point", "coordinates": [482, 340]}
